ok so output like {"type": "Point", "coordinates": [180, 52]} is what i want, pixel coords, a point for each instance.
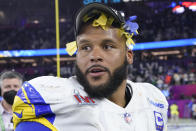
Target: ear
{"type": "Point", "coordinates": [130, 56]}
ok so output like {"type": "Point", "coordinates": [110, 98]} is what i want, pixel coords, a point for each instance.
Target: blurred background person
{"type": "Point", "coordinates": [194, 110]}
{"type": "Point", "coordinates": [174, 113]}
{"type": "Point", "coordinates": [190, 106]}
{"type": "Point", "coordinates": [10, 83]}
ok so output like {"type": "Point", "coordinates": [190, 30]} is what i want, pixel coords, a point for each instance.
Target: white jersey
{"type": "Point", "coordinates": [62, 104]}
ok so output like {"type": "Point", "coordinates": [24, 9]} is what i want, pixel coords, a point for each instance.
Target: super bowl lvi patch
{"type": "Point", "coordinates": [159, 123]}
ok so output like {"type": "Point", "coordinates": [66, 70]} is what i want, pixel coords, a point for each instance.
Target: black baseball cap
{"type": "Point", "coordinates": [118, 17]}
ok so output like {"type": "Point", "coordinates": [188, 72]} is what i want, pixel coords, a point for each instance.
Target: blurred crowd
{"type": "Point", "coordinates": [162, 73]}
{"type": "Point", "coordinates": [160, 26]}
{"type": "Point", "coordinates": [168, 26]}
{"type": "Point", "coordinates": [32, 36]}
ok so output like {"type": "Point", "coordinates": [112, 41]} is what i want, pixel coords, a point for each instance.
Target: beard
{"type": "Point", "coordinates": [109, 87]}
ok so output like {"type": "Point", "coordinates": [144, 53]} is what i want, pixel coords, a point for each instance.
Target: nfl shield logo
{"type": "Point", "coordinates": [127, 117]}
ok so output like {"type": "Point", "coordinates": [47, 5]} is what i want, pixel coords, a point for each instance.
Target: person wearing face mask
{"type": "Point", "coordinates": [10, 83]}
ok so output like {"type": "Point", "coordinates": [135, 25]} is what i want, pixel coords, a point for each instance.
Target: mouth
{"type": "Point", "coordinates": [96, 71]}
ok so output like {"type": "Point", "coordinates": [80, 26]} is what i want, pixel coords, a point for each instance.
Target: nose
{"type": "Point", "coordinates": [12, 87]}
{"type": "Point", "coordinates": [96, 55]}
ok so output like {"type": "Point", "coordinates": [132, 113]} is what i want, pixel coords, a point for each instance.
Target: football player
{"type": "Point", "coordinates": [99, 97]}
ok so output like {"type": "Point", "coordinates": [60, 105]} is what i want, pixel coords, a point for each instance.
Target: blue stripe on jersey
{"type": "Point", "coordinates": [41, 107]}
{"type": "Point", "coordinates": [31, 126]}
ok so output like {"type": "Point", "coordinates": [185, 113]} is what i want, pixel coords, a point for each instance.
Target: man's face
{"type": "Point", "coordinates": [10, 84]}
{"type": "Point", "coordinates": [101, 54]}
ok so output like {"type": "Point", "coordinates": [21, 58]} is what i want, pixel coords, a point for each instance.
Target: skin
{"type": "Point", "coordinates": [7, 85]}
{"type": "Point", "coordinates": [105, 48]}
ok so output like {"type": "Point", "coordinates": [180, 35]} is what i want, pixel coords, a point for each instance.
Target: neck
{"type": "Point", "coordinates": [118, 97]}
{"type": "Point", "coordinates": [7, 106]}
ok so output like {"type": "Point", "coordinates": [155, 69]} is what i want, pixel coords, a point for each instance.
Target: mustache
{"type": "Point", "coordinates": [99, 66]}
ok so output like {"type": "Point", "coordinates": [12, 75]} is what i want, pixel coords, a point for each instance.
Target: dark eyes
{"type": "Point", "coordinates": [7, 87]}
{"type": "Point", "coordinates": [86, 48]}
{"type": "Point", "coordinates": [107, 47]}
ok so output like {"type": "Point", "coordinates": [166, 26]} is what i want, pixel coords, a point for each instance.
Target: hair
{"type": "Point", "coordinates": [10, 75]}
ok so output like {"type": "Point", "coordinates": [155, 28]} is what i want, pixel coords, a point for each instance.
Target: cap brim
{"type": "Point", "coordinates": [98, 6]}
